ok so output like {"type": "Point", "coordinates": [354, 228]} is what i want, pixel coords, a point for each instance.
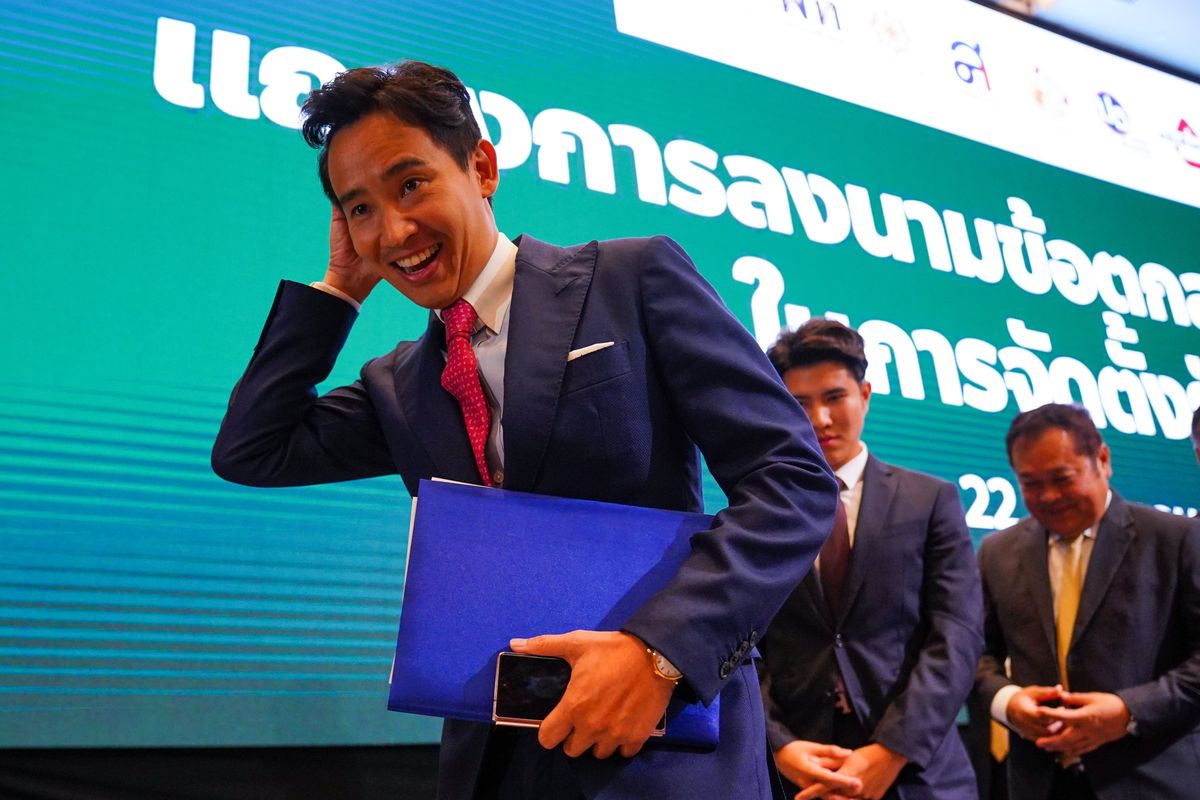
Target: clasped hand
{"type": "Point", "coordinates": [1081, 723]}
{"type": "Point", "coordinates": [836, 773]}
{"type": "Point", "coordinates": [613, 701]}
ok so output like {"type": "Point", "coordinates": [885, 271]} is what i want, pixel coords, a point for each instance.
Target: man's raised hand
{"type": "Point", "coordinates": [347, 271]}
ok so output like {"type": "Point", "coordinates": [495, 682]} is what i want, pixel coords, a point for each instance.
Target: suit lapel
{"type": "Point", "coordinates": [811, 589]}
{"type": "Point", "coordinates": [549, 289]}
{"type": "Point", "coordinates": [879, 488]}
{"type": "Point", "coordinates": [430, 411]}
{"type": "Point", "coordinates": [1112, 542]}
{"type": "Point", "coordinates": [1033, 565]}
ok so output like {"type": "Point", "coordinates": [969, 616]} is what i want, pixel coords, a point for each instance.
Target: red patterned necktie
{"type": "Point", "coordinates": [835, 558]}
{"type": "Point", "coordinates": [461, 379]}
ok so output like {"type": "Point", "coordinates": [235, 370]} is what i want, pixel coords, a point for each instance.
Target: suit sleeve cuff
{"type": "Point", "coordinates": [778, 735]}
{"type": "Point", "coordinates": [327, 289]}
{"type": "Point", "coordinates": [999, 708]}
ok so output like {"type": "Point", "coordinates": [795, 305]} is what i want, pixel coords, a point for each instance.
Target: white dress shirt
{"type": "Point", "coordinates": [851, 476]}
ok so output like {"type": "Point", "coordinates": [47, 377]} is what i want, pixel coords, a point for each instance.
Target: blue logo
{"type": "Point", "coordinates": [1112, 113]}
{"type": "Point", "coordinates": [967, 70]}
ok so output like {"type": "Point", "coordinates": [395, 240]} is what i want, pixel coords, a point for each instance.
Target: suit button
{"type": "Point", "coordinates": [498, 477]}
{"type": "Point", "coordinates": [725, 670]}
{"type": "Point", "coordinates": [837, 640]}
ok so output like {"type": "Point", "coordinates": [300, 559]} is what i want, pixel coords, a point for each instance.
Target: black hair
{"type": "Point", "coordinates": [1073, 419]}
{"type": "Point", "coordinates": [418, 94]}
{"type": "Point", "coordinates": [819, 340]}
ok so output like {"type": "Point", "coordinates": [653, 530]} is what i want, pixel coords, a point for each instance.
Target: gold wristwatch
{"type": "Point", "coordinates": [663, 668]}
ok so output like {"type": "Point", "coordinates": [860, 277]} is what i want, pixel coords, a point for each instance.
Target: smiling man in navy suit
{"type": "Point", "coordinates": [868, 663]}
{"type": "Point", "coordinates": [599, 371]}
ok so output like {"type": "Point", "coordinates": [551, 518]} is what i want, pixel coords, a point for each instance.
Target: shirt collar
{"type": "Point", "coordinates": [1091, 532]}
{"type": "Point", "coordinates": [851, 472]}
{"type": "Point", "coordinates": [491, 293]}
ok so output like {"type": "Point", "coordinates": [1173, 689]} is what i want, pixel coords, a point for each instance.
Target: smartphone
{"type": "Point", "coordinates": [529, 687]}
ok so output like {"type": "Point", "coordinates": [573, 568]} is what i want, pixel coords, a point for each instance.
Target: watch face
{"type": "Point", "coordinates": [666, 667]}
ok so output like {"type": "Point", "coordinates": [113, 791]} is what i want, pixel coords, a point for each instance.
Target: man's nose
{"type": "Point", "coordinates": [1045, 496]}
{"type": "Point", "coordinates": [820, 416]}
{"type": "Point", "coordinates": [397, 228]}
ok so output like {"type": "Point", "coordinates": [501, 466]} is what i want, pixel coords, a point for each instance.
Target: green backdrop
{"type": "Point", "coordinates": [145, 602]}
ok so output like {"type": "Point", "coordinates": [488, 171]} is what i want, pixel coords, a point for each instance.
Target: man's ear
{"type": "Point", "coordinates": [1104, 461]}
{"type": "Point", "coordinates": [483, 164]}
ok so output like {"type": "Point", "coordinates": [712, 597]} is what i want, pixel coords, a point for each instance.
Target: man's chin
{"type": "Point", "coordinates": [835, 456]}
{"type": "Point", "coordinates": [423, 296]}
{"type": "Point", "coordinates": [1065, 527]}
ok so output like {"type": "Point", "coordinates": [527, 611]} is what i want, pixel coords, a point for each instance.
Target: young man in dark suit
{"type": "Point", "coordinates": [599, 372]}
{"type": "Point", "coordinates": [870, 660]}
{"type": "Point", "coordinates": [1095, 605]}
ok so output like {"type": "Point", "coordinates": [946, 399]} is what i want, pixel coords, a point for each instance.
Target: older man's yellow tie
{"type": "Point", "coordinates": [999, 741]}
{"type": "Point", "coordinates": [1069, 587]}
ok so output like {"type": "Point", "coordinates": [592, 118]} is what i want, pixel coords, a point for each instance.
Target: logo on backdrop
{"type": "Point", "coordinates": [286, 74]}
{"type": "Point", "coordinates": [822, 12]}
{"type": "Point", "coordinates": [1186, 143]}
{"type": "Point", "coordinates": [1048, 95]}
{"type": "Point", "coordinates": [890, 31]}
{"type": "Point", "coordinates": [973, 66]}
{"type": "Point", "coordinates": [1112, 113]}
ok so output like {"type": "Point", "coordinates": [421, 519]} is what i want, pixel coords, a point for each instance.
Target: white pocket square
{"type": "Point", "coordinates": [591, 348]}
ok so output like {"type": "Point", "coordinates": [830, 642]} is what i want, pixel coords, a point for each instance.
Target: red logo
{"type": "Point", "coordinates": [1187, 144]}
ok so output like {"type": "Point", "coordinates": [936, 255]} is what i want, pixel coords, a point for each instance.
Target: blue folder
{"type": "Point", "coordinates": [487, 565]}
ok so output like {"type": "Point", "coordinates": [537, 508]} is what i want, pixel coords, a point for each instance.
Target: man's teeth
{"type": "Point", "coordinates": [417, 258]}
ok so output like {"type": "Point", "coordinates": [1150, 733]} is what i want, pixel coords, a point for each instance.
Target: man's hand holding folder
{"type": "Point", "coordinates": [614, 699]}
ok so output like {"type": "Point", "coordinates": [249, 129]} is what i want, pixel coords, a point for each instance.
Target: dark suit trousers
{"type": "Point", "coordinates": [1070, 785]}
{"type": "Point", "coordinates": [516, 767]}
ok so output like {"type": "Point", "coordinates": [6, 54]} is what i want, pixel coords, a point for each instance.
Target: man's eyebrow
{"type": "Point", "coordinates": [1052, 473]}
{"type": "Point", "coordinates": [402, 165]}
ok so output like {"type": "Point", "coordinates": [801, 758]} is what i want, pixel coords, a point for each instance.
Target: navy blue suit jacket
{"type": "Point", "coordinates": [1137, 634]}
{"type": "Point", "coordinates": [906, 639]}
{"type": "Point", "coordinates": [620, 424]}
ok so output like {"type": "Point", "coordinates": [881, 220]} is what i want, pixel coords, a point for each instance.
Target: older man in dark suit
{"type": "Point", "coordinates": [1095, 604]}
{"type": "Point", "coordinates": [867, 664]}
{"type": "Point", "coordinates": [599, 372]}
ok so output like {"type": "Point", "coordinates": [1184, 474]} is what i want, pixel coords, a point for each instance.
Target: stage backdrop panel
{"type": "Point", "coordinates": [1008, 217]}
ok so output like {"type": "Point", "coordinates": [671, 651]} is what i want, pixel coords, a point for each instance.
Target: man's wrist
{"type": "Point", "coordinates": [1000, 701]}
{"type": "Point", "coordinates": [894, 756]}
{"type": "Point", "coordinates": [775, 748]}
{"type": "Point", "coordinates": [1131, 725]}
{"type": "Point", "coordinates": [662, 667]}
{"type": "Point", "coordinates": [329, 288]}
